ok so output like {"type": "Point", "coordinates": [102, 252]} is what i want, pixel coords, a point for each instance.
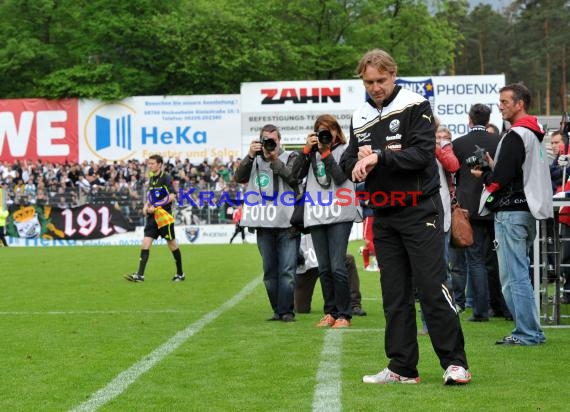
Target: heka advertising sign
{"type": "Point", "coordinates": [294, 106]}
{"type": "Point", "coordinates": [32, 129]}
{"type": "Point", "coordinates": [184, 127]}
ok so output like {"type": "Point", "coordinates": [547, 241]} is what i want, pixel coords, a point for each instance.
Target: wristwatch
{"type": "Point", "coordinates": [378, 152]}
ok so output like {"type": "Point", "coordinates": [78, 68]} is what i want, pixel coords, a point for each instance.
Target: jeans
{"type": "Point", "coordinates": [305, 285]}
{"type": "Point", "coordinates": [330, 243]}
{"type": "Point", "coordinates": [279, 254]}
{"type": "Point", "coordinates": [471, 262]}
{"type": "Point", "coordinates": [514, 233]}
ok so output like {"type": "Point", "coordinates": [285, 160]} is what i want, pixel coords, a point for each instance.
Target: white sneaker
{"type": "Point", "coordinates": [361, 250]}
{"type": "Point", "coordinates": [456, 375]}
{"type": "Point", "coordinates": [387, 376]}
{"type": "Point", "coordinates": [373, 267]}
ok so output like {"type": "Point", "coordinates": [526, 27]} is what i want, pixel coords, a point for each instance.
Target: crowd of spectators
{"type": "Point", "coordinates": [121, 183]}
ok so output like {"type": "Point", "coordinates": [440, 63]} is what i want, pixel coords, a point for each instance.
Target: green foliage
{"type": "Point", "coordinates": [111, 49]}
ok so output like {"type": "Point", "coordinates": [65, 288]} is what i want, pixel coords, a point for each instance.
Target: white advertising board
{"type": "Point", "coordinates": [193, 127]}
{"type": "Point", "coordinates": [451, 97]}
{"type": "Point", "coordinates": [293, 106]}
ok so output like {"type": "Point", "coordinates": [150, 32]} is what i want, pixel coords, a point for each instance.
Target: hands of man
{"type": "Point", "coordinates": [364, 166]}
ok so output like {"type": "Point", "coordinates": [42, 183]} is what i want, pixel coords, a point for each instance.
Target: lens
{"type": "Point", "coordinates": [324, 136]}
{"type": "Point", "coordinates": [472, 161]}
{"type": "Point", "coordinates": [269, 144]}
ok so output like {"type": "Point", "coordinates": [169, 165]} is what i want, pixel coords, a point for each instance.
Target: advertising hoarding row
{"type": "Point", "coordinates": [210, 126]}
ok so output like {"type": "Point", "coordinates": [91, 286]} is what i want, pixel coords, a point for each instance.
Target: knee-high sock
{"type": "Point", "coordinates": [143, 260]}
{"type": "Point", "coordinates": [178, 259]}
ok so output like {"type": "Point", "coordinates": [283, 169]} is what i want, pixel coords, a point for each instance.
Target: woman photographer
{"type": "Point", "coordinates": [328, 221]}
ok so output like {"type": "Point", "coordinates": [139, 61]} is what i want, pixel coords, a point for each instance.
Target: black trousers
{"type": "Point", "coordinates": [305, 286]}
{"type": "Point", "coordinates": [2, 236]}
{"type": "Point", "coordinates": [409, 247]}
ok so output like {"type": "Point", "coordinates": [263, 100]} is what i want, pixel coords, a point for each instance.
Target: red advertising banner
{"type": "Point", "coordinates": [32, 129]}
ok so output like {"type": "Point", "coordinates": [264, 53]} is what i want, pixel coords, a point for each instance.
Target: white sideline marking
{"type": "Point", "coordinates": [124, 379]}
{"type": "Point", "coordinates": [327, 397]}
{"type": "Point", "coordinates": [95, 312]}
{"type": "Point", "coordinates": [555, 326]}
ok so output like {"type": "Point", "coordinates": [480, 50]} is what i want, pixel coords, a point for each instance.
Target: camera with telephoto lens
{"type": "Point", "coordinates": [324, 136]}
{"type": "Point", "coordinates": [478, 158]}
{"type": "Point", "coordinates": [268, 144]}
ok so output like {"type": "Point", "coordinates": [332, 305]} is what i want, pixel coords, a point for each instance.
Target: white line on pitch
{"type": "Point", "coordinates": [327, 397]}
{"type": "Point", "coordinates": [124, 379]}
{"type": "Point", "coordinates": [556, 326]}
{"type": "Point", "coordinates": [94, 312]}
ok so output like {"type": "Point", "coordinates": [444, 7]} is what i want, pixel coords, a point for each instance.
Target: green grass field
{"type": "Point", "coordinates": [76, 335]}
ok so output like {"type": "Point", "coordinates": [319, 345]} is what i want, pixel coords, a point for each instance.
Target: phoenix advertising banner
{"type": "Point", "coordinates": [32, 129]}
{"type": "Point", "coordinates": [76, 223]}
{"type": "Point", "coordinates": [184, 127]}
{"type": "Point", "coordinates": [451, 97]}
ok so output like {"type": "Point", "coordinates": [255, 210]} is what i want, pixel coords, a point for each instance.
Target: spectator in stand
{"type": "Point", "coordinates": [41, 198]}
{"type": "Point", "coordinates": [30, 188]}
{"type": "Point", "coordinates": [558, 161]}
{"type": "Point", "coordinates": [61, 203]}
{"type": "Point", "coordinates": [223, 173]}
{"type": "Point", "coordinates": [220, 185]}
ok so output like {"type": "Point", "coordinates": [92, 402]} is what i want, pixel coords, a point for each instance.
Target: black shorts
{"type": "Point", "coordinates": [151, 230]}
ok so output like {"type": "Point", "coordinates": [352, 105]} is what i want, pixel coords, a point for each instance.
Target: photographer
{"type": "Point", "coordinates": [470, 262]}
{"type": "Point", "coordinates": [328, 222]}
{"type": "Point", "coordinates": [518, 191]}
{"type": "Point", "coordinates": [267, 171]}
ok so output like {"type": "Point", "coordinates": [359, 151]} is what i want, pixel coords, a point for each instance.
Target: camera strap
{"type": "Point", "coordinates": [319, 170]}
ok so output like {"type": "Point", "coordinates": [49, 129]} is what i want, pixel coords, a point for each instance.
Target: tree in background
{"type": "Point", "coordinates": [109, 49]}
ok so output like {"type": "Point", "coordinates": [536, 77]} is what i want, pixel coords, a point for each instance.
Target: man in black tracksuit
{"type": "Point", "coordinates": [392, 149]}
{"type": "Point", "coordinates": [477, 261]}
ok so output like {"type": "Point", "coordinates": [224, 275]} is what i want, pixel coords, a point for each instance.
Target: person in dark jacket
{"type": "Point", "coordinates": [471, 261]}
{"type": "Point", "coordinates": [392, 149]}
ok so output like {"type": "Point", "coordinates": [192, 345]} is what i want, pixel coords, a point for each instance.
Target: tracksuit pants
{"type": "Point", "coordinates": [409, 243]}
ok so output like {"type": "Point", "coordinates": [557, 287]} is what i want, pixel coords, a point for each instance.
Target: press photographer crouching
{"type": "Point", "coordinates": [267, 171]}
{"type": "Point", "coordinates": [518, 190]}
